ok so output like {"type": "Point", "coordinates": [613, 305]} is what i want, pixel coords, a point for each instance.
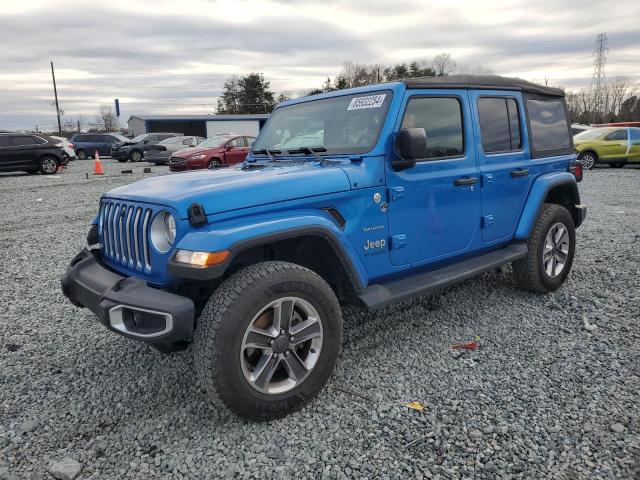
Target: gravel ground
{"type": "Point", "coordinates": [553, 392]}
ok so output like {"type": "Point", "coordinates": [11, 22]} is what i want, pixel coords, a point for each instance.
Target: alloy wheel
{"type": "Point", "coordinates": [555, 251]}
{"type": "Point", "coordinates": [281, 345]}
{"type": "Point", "coordinates": [588, 161]}
{"type": "Point", "coordinates": [49, 165]}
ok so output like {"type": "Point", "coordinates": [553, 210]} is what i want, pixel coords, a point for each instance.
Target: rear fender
{"type": "Point", "coordinates": [542, 187]}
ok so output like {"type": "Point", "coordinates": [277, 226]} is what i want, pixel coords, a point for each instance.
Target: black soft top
{"type": "Point", "coordinates": [484, 82]}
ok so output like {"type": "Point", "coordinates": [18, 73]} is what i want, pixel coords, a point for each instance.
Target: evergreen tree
{"type": "Point", "coordinates": [249, 94]}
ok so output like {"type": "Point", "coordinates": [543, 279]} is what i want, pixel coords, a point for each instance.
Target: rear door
{"type": "Point", "coordinates": [434, 207]}
{"type": "Point", "coordinates": [23, 150]}
{"type": "Point", "coordinates": [614, 145]}
{"type": "Point", "coordinates": [504, 162]}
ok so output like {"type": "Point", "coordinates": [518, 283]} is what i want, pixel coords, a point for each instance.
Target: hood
{"type": "Point", "coordinates": [187, 152]}
{"type": "Point", "coordinates": [233, 188]}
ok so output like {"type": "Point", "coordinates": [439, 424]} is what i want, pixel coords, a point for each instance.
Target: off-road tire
{"type": "Point", "coordinates": [82, 154]}
{"type": "Point", "coordinates": [222, 325]}
{"type": "Point", "coordinates": [48, 165]}
{"type": "Point", "coordinates": [529, 272]}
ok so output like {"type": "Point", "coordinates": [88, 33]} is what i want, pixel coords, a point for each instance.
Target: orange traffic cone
{"type": "Point", "coordinates": [97, 166]}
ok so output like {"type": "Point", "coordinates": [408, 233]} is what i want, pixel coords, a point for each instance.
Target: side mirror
{"type": "Point", "coordinates": [410, 145]}
{"type": "Point", "coordinates": [145, 142]}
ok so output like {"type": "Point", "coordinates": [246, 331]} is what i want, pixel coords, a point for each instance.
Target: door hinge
{"type": "Point", "coordinates": [395, 193]}
{"type": "Point", "coordinates": [487, 178]}
{"type": "Point", "coordinates": [398, 241]}
{"type": "Point", "coordinates": [487, 221]}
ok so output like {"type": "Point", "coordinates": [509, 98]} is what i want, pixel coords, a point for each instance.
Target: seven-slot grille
{"type": "Point", "coordinates": [124, 230]}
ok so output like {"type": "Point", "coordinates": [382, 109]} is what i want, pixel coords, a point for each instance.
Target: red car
{"type": "Point", "coordinates": [213, 152]}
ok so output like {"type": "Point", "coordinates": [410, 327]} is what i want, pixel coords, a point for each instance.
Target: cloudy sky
{"type": "Point", "coordinates": [169, 56]}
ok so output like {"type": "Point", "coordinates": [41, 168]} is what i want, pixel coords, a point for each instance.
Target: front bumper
{"type": "Point", "coordinates": [127, 305]}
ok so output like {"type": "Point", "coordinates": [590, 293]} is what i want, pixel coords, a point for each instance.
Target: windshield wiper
{"type": "Point", "coordinates": [269, 153]}
{"type": "Point", "coordinates": [309, 151]}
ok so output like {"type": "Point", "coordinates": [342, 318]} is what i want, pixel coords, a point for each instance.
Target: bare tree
{"type": "Point", "coordinates": [106, 120]}
{"type": "Point", "coordinates": [619, 89]}
{"type": "Point", "coordinates": [444, 64]}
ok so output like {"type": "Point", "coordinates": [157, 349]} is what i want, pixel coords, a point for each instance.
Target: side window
{"type": "Point", "coordinates": [109, 139]}
{"type": "Point", "coordinates": [80, 138]}
{"type": "Point", "coordinates": [152, 138]}
{"type": "Point", "coordinates": [499, 124]}
{"type": "Point", "coordinates": [20, 140]}
{"type": "Point", "coordinates": [634, 135]}
{"type": "Point", "coordinates": [548, 124]}
{"type": "Point", "coordinates": [620, 134]}
{"type": "Point", "coordinates": [441, 118]}
{"type": "Point", "coordinates": [164, 136]}
{"type": "Point", "coordinates": [250, 140]}
{"type": "Point", "coordinates": [4, 140]}
{"type": "Point", "coordinates": [92, 138]}
{"type": "Point", "coordinates": [237, 142]}
{"type": "Point", "coordinates": [188, 141]}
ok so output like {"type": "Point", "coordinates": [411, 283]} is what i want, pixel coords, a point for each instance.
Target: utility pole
{"type": "Point", "coordinates": [598, 85]}
{"type": "Point", "coordinates": [55, 92]}
{"type": "Point", "coordinates": [78, 126]}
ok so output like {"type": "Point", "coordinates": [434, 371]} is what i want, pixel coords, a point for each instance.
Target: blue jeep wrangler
{"type": "Point", "coordinates": [370, 195]}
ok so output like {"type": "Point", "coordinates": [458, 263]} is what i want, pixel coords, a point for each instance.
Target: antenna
{"type": "Point", "coordinates": [598, 84]}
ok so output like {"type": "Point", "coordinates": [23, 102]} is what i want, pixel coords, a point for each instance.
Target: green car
{"type": "Point", "coordinates": [613, 145]}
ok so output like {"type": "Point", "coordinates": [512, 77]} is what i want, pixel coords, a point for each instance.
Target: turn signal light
{"type": "Point", "coordinates": [201, 259]}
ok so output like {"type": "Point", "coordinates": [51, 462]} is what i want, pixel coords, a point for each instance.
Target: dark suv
{"type": "Point", "coordinates": [30, 153]}
{"type": "Point", "coordinates": [86, 144]}
{"type": "Point", "coordinates": [134, 149]}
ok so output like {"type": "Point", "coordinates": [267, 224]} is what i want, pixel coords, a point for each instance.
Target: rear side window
{"type": "Point", "coordinates": [499, 124]}
{"type": "Point", "coordinates": [634, 135]}
{"type": "Point", "coordinates": [80, 138]}
{"type": "Point", "coordinates": [4, 140]}
{"type": "Point", "coordinates": [441, 118]}
{"type": "Point", "coordinates": [548, 125]}
{"type": "Point", "coordinates": [19, 140]}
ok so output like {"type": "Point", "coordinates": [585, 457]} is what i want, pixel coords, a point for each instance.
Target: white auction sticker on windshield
{"type": "Point", "coordinates": [370, 101]}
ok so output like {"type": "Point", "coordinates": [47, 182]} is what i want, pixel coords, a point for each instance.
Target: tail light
{"type": "Point", "coordinates": [575, 167]}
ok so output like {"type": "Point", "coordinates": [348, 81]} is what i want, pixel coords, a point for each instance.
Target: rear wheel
{"type": "Point", "coordinates": [48, 165]}
{"type": "Point", "coordinates": [82, 154]}
{"type": "Point", "coordinates": [551, 249]}
{"type": "Point", "coordinates": [268, 339]}
{"type": "Point", "coordinates": [588, 160]}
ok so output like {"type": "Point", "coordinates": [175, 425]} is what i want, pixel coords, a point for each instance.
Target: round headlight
{"type": "Point", "coordinates": [163, 231]}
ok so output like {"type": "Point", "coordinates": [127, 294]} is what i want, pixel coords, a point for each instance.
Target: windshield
{"type": "Point", "coordinates": [139, 138]}
{"type": "Point", "coordinates": [347, 124]}
{"type": "Point", "coordinates": [590, 134]}
{"type": "Point", "coordinates": [214, 142]}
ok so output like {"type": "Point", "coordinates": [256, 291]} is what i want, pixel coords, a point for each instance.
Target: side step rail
{"type": "Point", "coordinates": [381, 294]}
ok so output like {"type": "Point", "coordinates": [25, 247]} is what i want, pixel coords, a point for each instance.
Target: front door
{"type": "Point", "coordinates": [434, 207]}
{"type": "Point", "coordinates": [236, 151]}
{"type": "Point", "coordinates": [614, 145]}
{"type": "Point", "coordinates": [505, 163]}
{"type": "Point", "coordinates": [22, 151]}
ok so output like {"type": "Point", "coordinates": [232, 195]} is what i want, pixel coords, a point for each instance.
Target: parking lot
{"type": "Point", "coordinates": [546, 395]}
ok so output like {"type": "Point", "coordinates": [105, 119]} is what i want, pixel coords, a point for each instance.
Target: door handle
{"type": "Point", "coordinates": [521, 172]}
{"type": "Point", "coordinates": [461, 182]}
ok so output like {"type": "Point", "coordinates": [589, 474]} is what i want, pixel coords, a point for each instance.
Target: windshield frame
{"type": "Point", "coordinates": [341, 150]}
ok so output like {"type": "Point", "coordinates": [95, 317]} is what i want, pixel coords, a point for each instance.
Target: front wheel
{"type": "Point", "coordinates": [214, 163]}
{"type": "Point", "coordinates": [588, 160]}
{"type": "Point", "coordinates": [268, 339]}
{"type": "Point", "coordinates": [551, 248]}
{"type": "Point", "coordinates": [48, 165]}
{"type": "Point", "coordinates": [135, 156]}
{"type": "Point", "coordinates": [82, 154]}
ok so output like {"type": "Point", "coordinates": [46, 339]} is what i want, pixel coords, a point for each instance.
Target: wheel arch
{"type": "Point", "coordinates": [313, 242]}
{"type": "Point", "coordinates": [557, 188]}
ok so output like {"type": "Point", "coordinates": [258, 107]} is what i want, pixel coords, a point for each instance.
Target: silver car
{"type": "Point", "coordinates": [160, 153]}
